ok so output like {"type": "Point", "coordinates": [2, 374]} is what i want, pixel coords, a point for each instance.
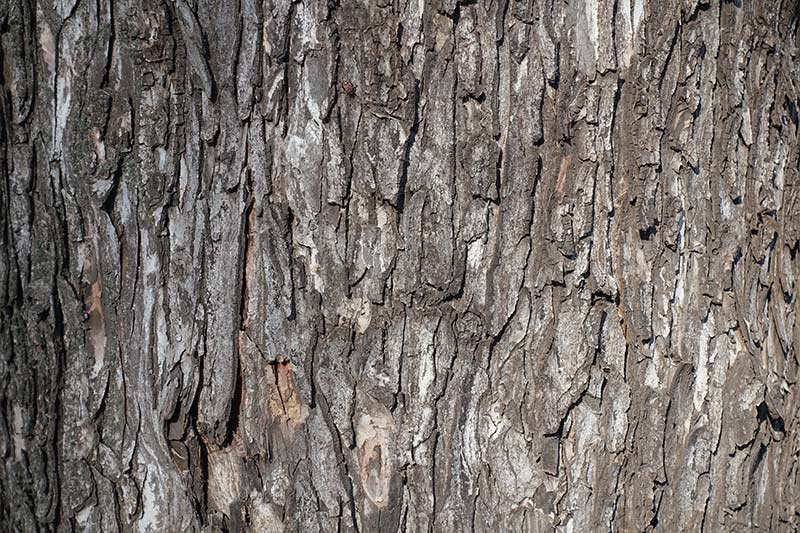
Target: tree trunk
{"type": "Point", "coordinates": [391, 265]}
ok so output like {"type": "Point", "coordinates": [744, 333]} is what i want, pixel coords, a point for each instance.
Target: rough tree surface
{"type": "Point", "coordinates": [397, 265]}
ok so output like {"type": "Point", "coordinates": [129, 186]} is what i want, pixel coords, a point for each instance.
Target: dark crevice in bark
{"type": "Point", "coordinates": [232, 426]}
{"type": "Point", "coordinates": [112, 35]}
{"type": "Point", "coordinates": [292, 265]}
{"type": "Point", "coordinates": [56, 515]}
{"type": "Point", "coordinates": [400, 201]}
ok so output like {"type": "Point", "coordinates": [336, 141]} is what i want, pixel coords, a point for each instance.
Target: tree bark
{"type": "Point", "coordinates": [389, 265]}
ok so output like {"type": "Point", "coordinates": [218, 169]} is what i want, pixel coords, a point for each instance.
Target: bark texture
{"type": "Point", "coordinates": [397, 265]}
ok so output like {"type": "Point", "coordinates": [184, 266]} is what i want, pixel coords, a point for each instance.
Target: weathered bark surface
{"type": "Point", "coordinates": [399, 265]}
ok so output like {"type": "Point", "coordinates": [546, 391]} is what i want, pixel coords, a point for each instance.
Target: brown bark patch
{"type": "Point", "coordinates": [285, 403]}
{"type": "Point", "coordinates": [93, 299]}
